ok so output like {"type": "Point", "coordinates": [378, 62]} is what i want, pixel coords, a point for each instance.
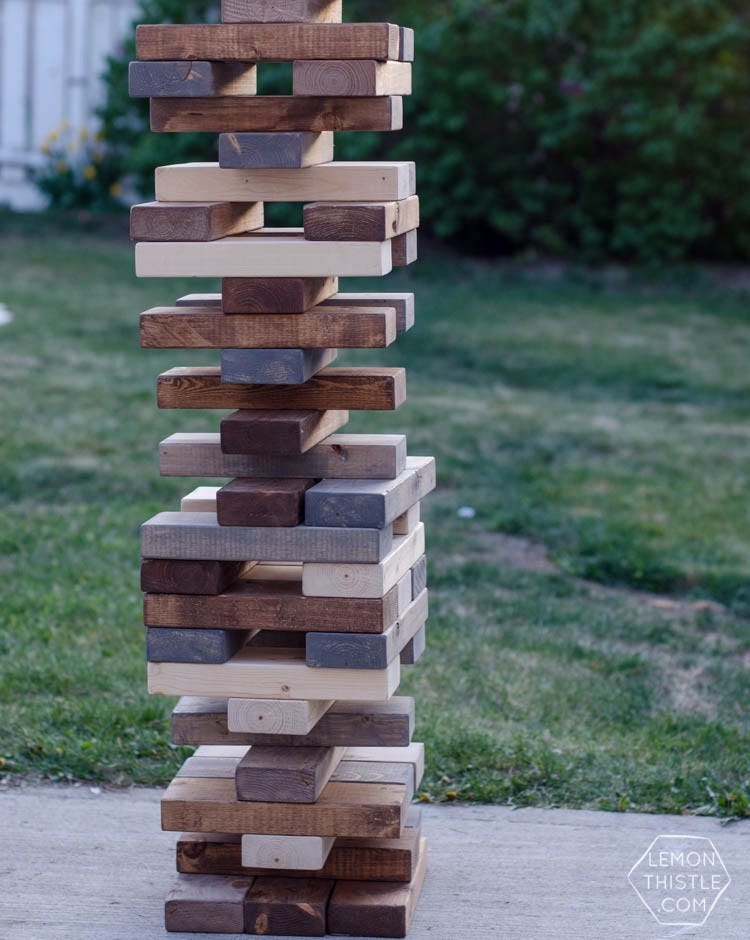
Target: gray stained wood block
{"type": "Point", "coordinates": [207, 903]}
{"type": "Point", "coordinates": [183, 79]}
{"type": "Point", "coordinates": [173, 645]}
{"type": "Point", "coordinates": [413, 650]}
{"type": "Point", "coordinates": [198, 535]}
{"type": "Point", "coordinates": [285, 774]}
{"type": "Point", "coordinates": [419, 576]}
{"type": "Point", "coordinates": [367, 650]}
{"type": "Point", "coordinates": [281, 150]}
{"type": "Point", "coordinates": [273, 366]}
{"type": "Point", "coordinates": [369, 503]}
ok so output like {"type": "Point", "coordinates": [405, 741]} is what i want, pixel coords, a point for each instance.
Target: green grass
{"type": "Point", "coordinates": [609, 426]}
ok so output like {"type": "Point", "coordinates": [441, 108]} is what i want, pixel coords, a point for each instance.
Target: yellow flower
{"type": "Point", "coordinates": [115, 190]}
{"type": "Point", "coordinates": [89, 172]}
{"type": "Point", "coordinates": [51, 137]}
{"type": "Point", "coordinates": [61, 166]}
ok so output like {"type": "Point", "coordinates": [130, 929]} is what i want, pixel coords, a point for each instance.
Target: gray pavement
{"type": "Point", "coordinates": [83, 865]}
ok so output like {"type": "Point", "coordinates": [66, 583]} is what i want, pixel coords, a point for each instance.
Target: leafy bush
{"type": "Point", "coordinates": [77, 172]}
{"type": "Point", "coordinates": [594, 129]}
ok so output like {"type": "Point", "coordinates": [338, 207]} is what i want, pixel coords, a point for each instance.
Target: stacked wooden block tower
{"type": "Point", "coordinates": [282, 605]}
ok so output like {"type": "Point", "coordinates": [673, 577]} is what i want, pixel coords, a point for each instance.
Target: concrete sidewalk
{"type": "Point", "coordinates": [95, 866]}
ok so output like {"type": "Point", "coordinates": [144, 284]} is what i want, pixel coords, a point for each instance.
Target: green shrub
{"type": "Point", "coordinates": [77, 172]}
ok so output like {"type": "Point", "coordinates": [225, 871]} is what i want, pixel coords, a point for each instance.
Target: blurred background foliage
{"type": "Point", "coordinates": [579, 128]}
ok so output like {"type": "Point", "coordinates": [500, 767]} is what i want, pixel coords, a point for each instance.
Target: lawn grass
{"type": "Point", "coordinates": [588, 639]}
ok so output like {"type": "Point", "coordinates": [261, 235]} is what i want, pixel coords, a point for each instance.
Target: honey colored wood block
{"type": "Point", "coordinates": [208, 328]}
{"type": "Point", "coordinates": [402, 303]}
{"type": "Point", "coordinates": [407, 521]}
{"type": "Point", "coordinates": [419, 576]}
{"type": "Point", "coordinates": [273, 366]}
{"type": "Point", "coordinates": [189, 576]}
{"type": "Point", "coordinates": [351, 78]}
{"type": "Point", "coordinates": [207, 904]}
{"type": "Point", "coordinates": [360, 909]}
{"type": "Point", "coordinates": [366, 650]}
{"type": "Point", "coordinates": [191, 79]}
{"type": "Point", "coordinates": [281, 11]}
{"type": "Point", "coordinates": [195, 222]}
{"type": "Point", "coordinates": [275, 150]}
{"type": "Point", "coordinates": [287, 906]}
{"type": "Point", "coordinates": [270, 42]}
{"type": "Point", "coordinates": [363, 181]}
{"type": "Point", "coordinates": [404, 249]}
{"type": "Point", "coordinates": [276, 113]}
{"type": "Point", "coordinates": [357, 388]}
{"type": "Point", "coordinates": [191, 535]}
{"type": "Point", "coordinates": [260, 672]}
{"type": "Point", "coordinates": [285, 774]}
{"type": "Point", "coordinates": [281, 295]}
{"type": "Point", "coordinates": [413, 650]}
{"type": "Point", "coordinates": [290, 853]}
{"type": "Point", "coordinates": [274, 717]}
{"type": "Point", "coordinates": [360, 580]}
{"type": "Point", "coordinates": [287, 433]}
{"type": "Point", "coordinates": [369, 503]}
{"type": "Point", "coordinates": [262, 502]}
{"type": "Point", "coordinates": [331, 221]}
{"type": "Point", "coordinates": [353, 810]}
{"type": "Point", "coordinates": [170, 645]}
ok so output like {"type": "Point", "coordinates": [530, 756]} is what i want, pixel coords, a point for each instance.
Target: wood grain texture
{"type": "Point", "coordinates": [404, 249]}
{"type": "Point", "coordinates": [370, 503]}
{"type": "Point", "coordinates": [351, 78]}
{"type": "Point", "coordinates": [191, 535]}
{"type": "Point", "coordinates": [413, 755]}
{"type": "Point", "coordinates": [277, 774]}
{"type": "Point", "coordinates": [196, 222]}
{"type": "Point", "coordinates": [189, 576]}
{"type": "Point", "coordinates": [290, 853]}
{"type": "Point", "coordinates": [356, 388]}
{"type": "Point", "coordinates": [259, 672]}
{"type": "Point", "coordinates": [284, 433]}
{"type": "Point", "coordinates": [281, 11]}
{"type": "Point", "coordinates": [357, 580]}
{"type": "Point", "coordinates": [262, 502]}
{"type": "Point", "coordinates": [275, 149]}
{"type": "Point", "coordinates": [353, 810]}
{"type": "Point", "coordinates": [358, 181]}
{"type": "Point", "coordinates": [171, 645]}
{"type": "Point", "coordinates": [281, 295]}
{"type": "Point", "coordinates": [287, 906]}
{"type": "Point", "coordinates": [273, 366]}
{"type": "Point", "coordinates": [270, 42]}
{"type": "Point", "coordinates": [274, 717]}
{"type": "Point", "coordinates": [379, 724]}
{"type": "Point", "coordinates": [209, 328]}
{"type": "Point", "coordinates": [419, 576]}
{"type": "Point", "coordinates": [191, 79]}
{"type": "Point", "coordinates": [374, 221]}
{"type": "Point", "coordinates": [207, 903]}
{"type": "Point", "coordinates": [407, 521]}
{"type": "Point", "coordinates": [414, 649]}
{"type": "Point", "coordinates": [402, 303]}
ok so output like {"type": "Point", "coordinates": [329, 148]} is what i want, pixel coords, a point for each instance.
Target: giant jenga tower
{"type": "Point", "coordinates": [283, 605]}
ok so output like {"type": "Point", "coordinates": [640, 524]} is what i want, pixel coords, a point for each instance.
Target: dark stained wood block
{"type": "Point", "coordinates": [275, 294]}
{"type": "Point", "coordinates": [404, 249]}
{"type": "Point", "coordinates": [262, 502]}
{"type": "Point", "coordinates": [170, 645]}
{"type": "Point", "coordinates": [281, 11]}
{"type": "Point", "coordinates": [278, 774]}
{"type": "Point", "coordinates": [193, 222]}
{"type": "Point", "coordinates": [162, 576]}
{"type": "Point", "coordinates": [275, 150]}
{"type": "Point", "coordinates": [287, 907]}
{"type": "Point", "coordinates": [273, 366]}
{"type": "Point", "coordinates": [419, 577]}
{"type": "Point", "coordinates": [191, 79]}
{"type": "Point", "coordinates": [207, 903]}
{"type": "Point", "coordinates": [284, 433]}
{"type": "Point", "coordinates": [413, 650]}
{"type": "Point", "coordinates": [366, 222]}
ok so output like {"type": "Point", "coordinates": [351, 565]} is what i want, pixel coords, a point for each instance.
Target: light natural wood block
{"type": "Point", "coordinates": [355, 78]}
{"type": "Point", "coordinates": [303, 853]}
{"type": "Point", "coordinates": [194, 222]}
{"type": "Point", "coordinates": [201, 499]}
{"type": "Point", "coordinates": [281, 11]}
{"type": "Point", "coordinates": [191, 79]}
{"type": "Point", "coordinates": [272, 716]}
{"type": "Point", "coordinates": [407, 521]}
{"type": "Point", "coordinates": [375, 221]}
{"type": "Point", "coordinates": [261, 150]}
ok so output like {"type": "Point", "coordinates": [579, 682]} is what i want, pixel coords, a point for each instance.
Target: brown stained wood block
{"type": "Point", "coordinates": [196, 222]}
{"type": "Point", "coordinates": [207, 903]}
{"type": "Point", "coordinates": [360, 909]}
{"type": "Point", "coordinates": [281, 11]}
{"type": "Point", "coordinates": [276, 113]}
{"type": "Point", "coordinates": [331, 221]}
{"type": "Point", "coordinates": [350, 78]}
{"type": "Point", "coordinates": [191, 79]}
{"type": "Point", "coordinates": [289, 150]}
{"type": "Point", "coordinates": [273, 366]}
{"type": "Point", "coordinates": [162, 576]}
{"type": "Point", "coordinates": [170, 645]}
{"type": "Point", "coordinates": [402, 303]}
{"type": "Point", "coordinates": [404, 249]}
{"type": "Point", "coordinates": [282, 295]}
{"type": "Point", "coordinates": [286, 774]}
{"type": "Point", "coordinates": [286, 433]}
{"type": "Point", "coordinates": [358, 388]}
{"type": "Point", "coordinates": [271, 42]}
{"type": "Point", "coordinates": [262, 502]}
{"type": "Point", "coordinates": [208, 328]}
{"type": "Point", "coordinates": [414, 649]}
{"type": "Point", "coordinates": [287, 906]}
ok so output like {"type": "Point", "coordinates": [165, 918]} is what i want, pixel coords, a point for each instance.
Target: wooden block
{"type": "Point", "coordinates": [274, 717]}
{"type": "Point", "coordinates": [369, 503]}
{"type": "Point", "coordinates": [215, 768]}
{"type": "Point", "coordinates": [208, 328]}
{"type": "Point", "coordinates": [351, 78]}
{"type": "Point", "coordinates": [275, 150]}
{"type": "Point", "coordinates": [357, 181]}
{"type": "Point", "coordinates": [419, 576]}
{"type": "Point", "coordinates": [194, 222]}
{"type": "Point", "coordinates": [270, 42]}
{"type": "Point", "coordinates": [191, 79]}
{"type": "Point", "coordinates": [379, 724]}
{"type": "Point", "coordinates": [201, 499]}
{"type": "Point", "coordinates": [354, 810]}
{"type": "Point", "coordinates": [285, 433]}
{"type": "Point", "coordinates": [404, 249]}
{"type": "Point", "coordinates": [413, 650]}
{"type": "Point", "coordinates": [281, 11]}
{"type": "Point", "coordinates": [412, 755]}
{"type": "Point", "coordinates": [279, 639]}
{"type": "Point", "coordinates": [159, 576]}
{"type": "Point", "coordinates": [191, 535]}
{"type": "Point", "coordinates": [170, 645]}
{"type": "Point", "coordinates": [366, 650]}
{"type": "Point", "coordinates": [407, 521]}
{"type": "Point", "coordinates": [358, 388]}
{"type": "Point", "coordinates": [273, 366]}
{"type": "Point", "coordinates": [285, 774]}
{"type": "Point", "coordinates": [262, 502]}
{"type": "Point", "coordinates": [402, 303]}
{"type": "Point", "coordinates": [207, 903]}
{"type": "Point", "coordinates": [403, 587]}
{"type": "Point", "coordinates": [259, 672]}
{"type": "Point", "coordinates": [281, 295]}
{"type": "Point", "coordinates": [374, 221]}
{"type": "Point", "coordinates": [290, 853]}
{"type": "Point", "coordinates": [359, 909]}
{"type": "Point", "coordinates": [286, 906]}
{"type": "Point", "coordinates": [341, 580]}
{"type": "Point", "coordinates": [406, 44]}
{"type": "Point", "coordinates": [257, 254]}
